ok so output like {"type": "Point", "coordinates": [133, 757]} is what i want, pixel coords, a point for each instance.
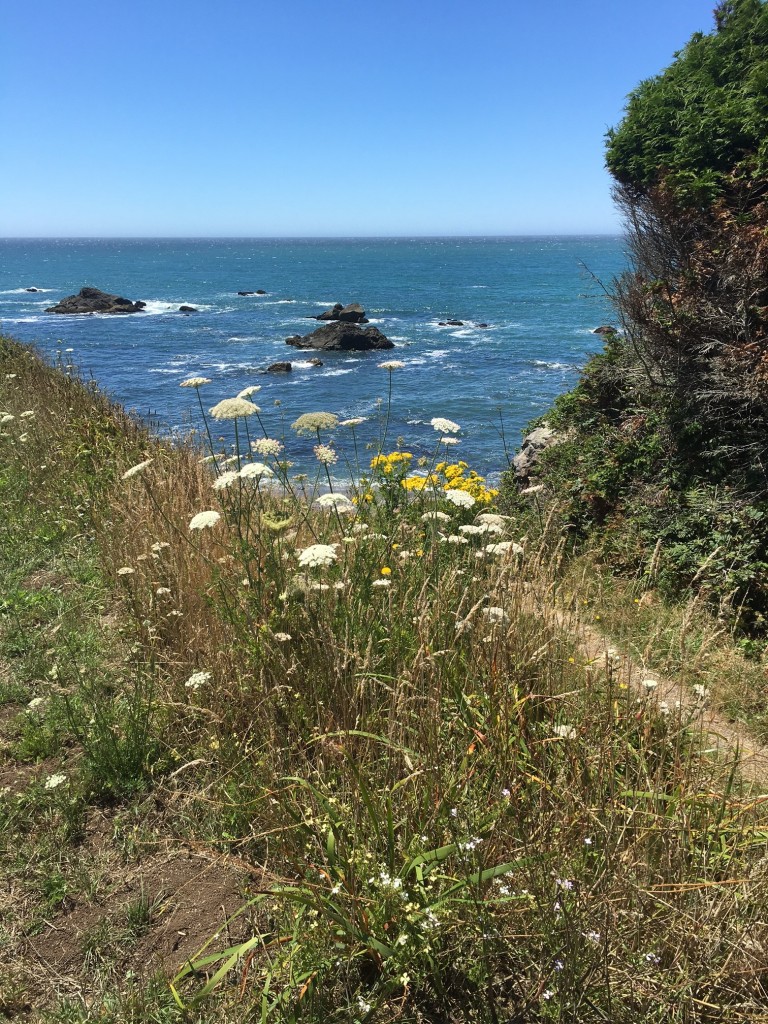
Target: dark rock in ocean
{"type": "Point", "coordinates": [91, 300]}
{"type": "Point", "coordinates": [454, 323]}
{"type": "Point", "coordinates": [342, 337]}
{"type": "Point", "coordinates": [246, 293]}
{"type": "Point", "coordinates": [31, 289]}
{"type": "Point", "coordinates": [604, 330]}
{"type": "Point", "coordinates": [442, 323]}
{"type": "Point", "coordinates": [351, 314]}
{"type": "Point", "coordinates": [279, 368]}
{"type": "Point", "coordinates": [481, 325]}
{"type": "Point", "coordinates": [260, 291]}
{"type": "Point", "coordinates": [188, 309]}
{"type": "Point", "coordinates": [315, 362]}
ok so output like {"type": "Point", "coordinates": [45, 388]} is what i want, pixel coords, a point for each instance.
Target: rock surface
{"type": "Point", "coordinates": [31, 289]}
{"type": "Point", "coordinates": [246, 293]}
{"type": "Point", "coordinates": [91, 300]}
{"type": "Point", "coordinates": [279, 368]}
{"type": "Point", "coordinates": [187, 309]}
{"type": "Point", "coordinates": [534, 444]}
{"type": "Point", "coordinates": [605, 329]}
{"type": "Point", "coordinates": [351, 314]}
{"type": "Point", "coordinates": [342, 337]}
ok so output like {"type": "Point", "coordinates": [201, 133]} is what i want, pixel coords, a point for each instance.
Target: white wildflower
{"type": "Point", "coordinates": [255, 469]}
{"type": "Point", "coordinates": [317, 556]}
{"type": "Point", "coordinates": [392, 364]}
{"type": "Point", "coordinates": [35, 703]}
{"type": "Point", "coordinates": [162, 592]}
{"type": "Point", "coordinates": [502, 547]}
{"type": "Point", "coordinates": [282, 638]}
{"type": "Point", "coordinates": [53, 781]}
{"type": "Point", "coordinates": [449, 440]}
{"type": "Point", "coordinates": [7, 417]}
{"type": "Point", "coordinates": [492, 519]}
{"type": "Point", "coordinates": [649, 685]}
{"type": "Point", "coordinates": [233, 409]}
{"type": "Point", "coordinates": [28, 414]}
{"type": "Point", "coordinates": [461, 498]}
{"type": "Point", "coordinates": [701, 692]}
{"type": "Point", "coordinates": [472, 531]}
{"type": "Point", "coordinates": [382, 583]}
{"type": "Point", "coordinates": [340, 502]}
{"type": "Point", "coordinates": [311, 422]}
{"type": "Point", "coordinates": [194, 382]}
{"type": "Point", "coordinates": [436, 516]}
{"type": "Point", "coordinates": [247, 392]}
{"type": "Point", "coordinates": [495, 614]}
{"type": "Point", "coordinates": [204, 519]}
{"type": "Point", "coordinates": [197, 679]}
{"type": "Point", "coordinates": [565, 732]}
{"type": "Point", "coordinates": [325, 454]}
{"type": "Point", "coordinates": [225, 480]}
{"type": "Point", "coordinates": [160, 545]}
{"type": "Point", "coordinates": [138, 468]}
{"type": "Point", "coordinates": [355, 421]}
{"type": "Point", "coordinates": [455, 538]}
{"type": "Point", "coordinates": [267, 446]}
{"type": "Point", "coordinates": [445, 426]}
{"type": "Point", "coordinates": [126, 570]}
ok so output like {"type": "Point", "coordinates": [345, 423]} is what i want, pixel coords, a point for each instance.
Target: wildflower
{"type": "Point", "coordinates": [138, 468]}
{"type": "Point", "coordinates": [492, 519]}
{"type": "Point", "coordinates": [255, 469]}
{"type": "Point", "coordinates": [225, 480]}
{"type": "Point", "coordinates": [197, 679]}
{"type": "Point", "coordinates": [564, 883]}
{"type": "Point", "coordinates": [455, 538]}
{"type": "Point", "coordinates": [592, 936]}
{"type": "Point", "coordinates": [204, 519]}
{"type": "Point", "coordinates": [126, 570]}
{"type": "Point", "coordinates": [338, 501]}
{"type": "Point", "coordinates": [317, 556]}
{"type": "Point", "coordinates": [495, 614]}
{"type": "Point", "coordinates": [54, 780]}
{"type": "Point", "coordinates": [565, 732]}
{"type": "Point", "coordinates": [502, 547]}
{"type": "Point", "coordinates": [534, 489]}
{"type": "Point", "coordinates": [282, 638]}
{"type": "Point", "coordinates": [7, 417]}
{"type": "Point", "coordinates": [649, 685]}
{"type": "Point", "coordinates": [382, 583]}
{"type": "Point", "coordinates": [449, 440]}
{"type": "Point", "coordinates": [194, 382]}
{"type": "Point", "coordinates": [355, 421]}
{"type": "Point", "coordinates": [445, 426]}
{"type": "Point", "coordinates": [267, 446]}
{"type": "Point", "coordinates": [325, 454]}
{"type": "Point", "coordinates": [386, 571]}
{"type": "Point", "coordinates": [233, 408]}
{"type": "Point", "coordinates": [506, 794]}
{"type": "Point", "coordinates": [651, 958]}
{"type": "Point", "coordinates": [35, 703]}
{"type": "Point", "coordinates": [548, 994]}
{"type": "Point", "coordinates": [311, 422]}
{"type": "Point", "coordinates": [247, 392]}
{"type": "Point", "coordinates": [435, 516]}
{"type": "Point", "coordinates": [701, 692]}
{"type": "Point", "coordinates": [472, 530]}
{"type": "Point", "coordinates": [460, 498]}
{"type": "Point", "coordinates": [392, 364]}
{"type": "Point", "coordinates": [363, 1006]}
{"type": "Point", "coordinates": [28, 414]}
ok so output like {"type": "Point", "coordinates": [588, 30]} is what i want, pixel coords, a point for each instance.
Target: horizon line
{"type": "Point", "coordinates": [293, 238]}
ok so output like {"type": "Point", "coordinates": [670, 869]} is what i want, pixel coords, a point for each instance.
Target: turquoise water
{"type": "Point", "coordinates": [541, 297]}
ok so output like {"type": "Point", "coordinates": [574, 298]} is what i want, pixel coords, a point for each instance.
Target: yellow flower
{"type": "Point", "coordinates": [386, 571]}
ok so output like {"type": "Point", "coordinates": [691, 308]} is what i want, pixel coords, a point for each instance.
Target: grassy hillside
{"type": "Point", "coordinates": [273, 756]}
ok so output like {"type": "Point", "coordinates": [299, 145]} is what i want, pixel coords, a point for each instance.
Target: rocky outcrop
{"type": "Point", "coordinates": [279, 368]}
{"type": "Point", "coordinates": [187, 309]}
{"type": "Point", "coordinates": [342, 337]}
{"type": "Point", "coordinates": [351, 314]}
{"type": "Point", "coordinates": [32, 289]}
{"type": "Point", "coordinates": [246, 293]}
{"type": "Point", "coordinates": [91, 300]}
{"type": "Point", "coordinates": [604, 330]}
{"type": "Point", "coordinates": [524, 463]}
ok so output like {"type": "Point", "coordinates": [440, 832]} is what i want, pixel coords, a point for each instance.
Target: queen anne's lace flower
{"type": "Point", "coordinates": [255, 470]}
{"type": "Point", "coordinates": [197, 679]}
{"type": "Point", "coordinates": [247, 392]}
{"type": "Point", "coordinates": [194, 382]}
{"type": "Point", "coordinates": [311, 422]}
{"type": "Point", "coordinates": [53, 781]}
{"type": "Point", "coordinates": [445, 426]}
{"type": "Point", "coordinates": [233, 408]}
{"type": "Point", "coordinates": [138, 468]}
{"type": "Point", "coordinates": [225, 480]}
{"type": "Point", "coordinates": [355, 421]}
{"type": "Point", "coordinates": [325, 454]}
{"type": "Point", "coordinates": [502, 547]}
{"type": "Point", "coordinates": [267, 446]}
{"type": "Point", "coordinates": [436, 516]}
{"type": "Point", "coordinates": [338, 501]}
{"type": "Point", "coordinates": [317, 556]}
{"type": "Point", "coordinates": [392, 364]}
{"type": "Point", "coordinates": [204, 519]}
{"type": "Point", "coordinates": [461, 498]}
{"type": "Point", "coordinates": [565, 732]}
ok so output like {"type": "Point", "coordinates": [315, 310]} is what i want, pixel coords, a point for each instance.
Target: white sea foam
{"type": "Point", "coordinates": [23, 319]}
{"type": "Point", "coordinates": [437, 353]}
{"type": "Point", "coordinates": [335, 373]}
{"type": "Point", "coordinates": [246, 337]}
{"type": "Point", "coordinates": [546, 364]}
{"type": "Point", "coordinates": [24, 291]}
{"type": "Point", "coordinates": [155, 307]}
{"type": "Point", "coordinates": [465, 332]}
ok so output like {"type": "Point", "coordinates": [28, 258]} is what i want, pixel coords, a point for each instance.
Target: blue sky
{"type": "Point", "coordinates": [321, 117]}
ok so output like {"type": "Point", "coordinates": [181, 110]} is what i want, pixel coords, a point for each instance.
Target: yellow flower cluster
{"type": "Point", "coordinates": [393, 464]}
{"type": "Point", "coordinates": [457, 476]}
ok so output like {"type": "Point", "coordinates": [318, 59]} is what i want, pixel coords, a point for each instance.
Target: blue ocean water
{"type": "Point", "coordinates": [541, 298]}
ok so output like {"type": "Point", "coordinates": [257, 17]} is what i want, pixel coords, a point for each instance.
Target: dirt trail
{"type": "Point", "coordinates": [729, 739]}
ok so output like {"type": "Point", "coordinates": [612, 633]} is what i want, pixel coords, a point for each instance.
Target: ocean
{"type": "Point", "coordinates": [540, 297]}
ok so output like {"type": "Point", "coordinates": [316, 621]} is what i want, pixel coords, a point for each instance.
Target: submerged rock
{"type": "Point", "coordinates": [31, 289]}
{"type": "Point", "coordinates": [351, 314]}
{"type": "Point", "coordinates": [279, 368]}
{"type": "Point", "coordinates": [342, 337]}
{"type": "Point", "coordinates": [188, 309]}
{"type": "Point", "coordinates": [92, 300]}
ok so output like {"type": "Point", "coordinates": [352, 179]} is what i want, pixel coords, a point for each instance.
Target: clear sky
{"type": "Point", "coordinates": [320, 117]}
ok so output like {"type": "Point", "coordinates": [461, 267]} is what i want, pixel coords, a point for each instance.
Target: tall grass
{"type": "Point", "coordinates": [460, 819]}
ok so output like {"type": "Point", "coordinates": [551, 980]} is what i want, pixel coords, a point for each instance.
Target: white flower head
{"type": "Point", "coordinates": [449, 440]}
{"type": "Point", "coordinates": [392, 364]}
{"type": "Point", "coordinates": [204, 519]}
{"type": "Point", "coordinates": [649, 685]}
{"type": "Point", "coordinates": [461, 498]}
{"type": "Point", "coordinates": [126, 570]}
{"type": "Point", "coordinates": [28, 414]}
{"type": "Point", "coordinates": [444, 426]}
{"type": "Point", "coordinates": [197, 679]}
{"type": "Point", "coordinates": [247, 392]}
{"type": "Point", "coordinates": [194, 382]}
{"type": "Point", "coordinates": [317, 556]}
{"type": "Point", "coordinates": [267, 446]}
{"type": "Point", "coordinates": [225, 480]}
{"type": "Point", "coordinates": [496, 614]}
{"type": "Point", "coordinates": [355, 421]}
{"type": "Point", "coordinates": [233, 409]}
{"type": "Point", "coordinates": [436, 516]}
{"type": "Point", "coordinates": [340, 502]}
{"type": "Point", "coordinates": [382, 583]}
{"type": "Point", "coordinates": [138, 468]}
{"type": "Point", "coordinates": [255, 470]}
{"type": "Point", "coordinates": [325, 454]}
{"type": "Point", "coordinates": [565, 732]}
{"type": "Point", "coordinates": [54, 781]}
{"type": "Point", "coordinates": [311, 422]}
{"type": "Point", "coordinates": [282, 638]}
